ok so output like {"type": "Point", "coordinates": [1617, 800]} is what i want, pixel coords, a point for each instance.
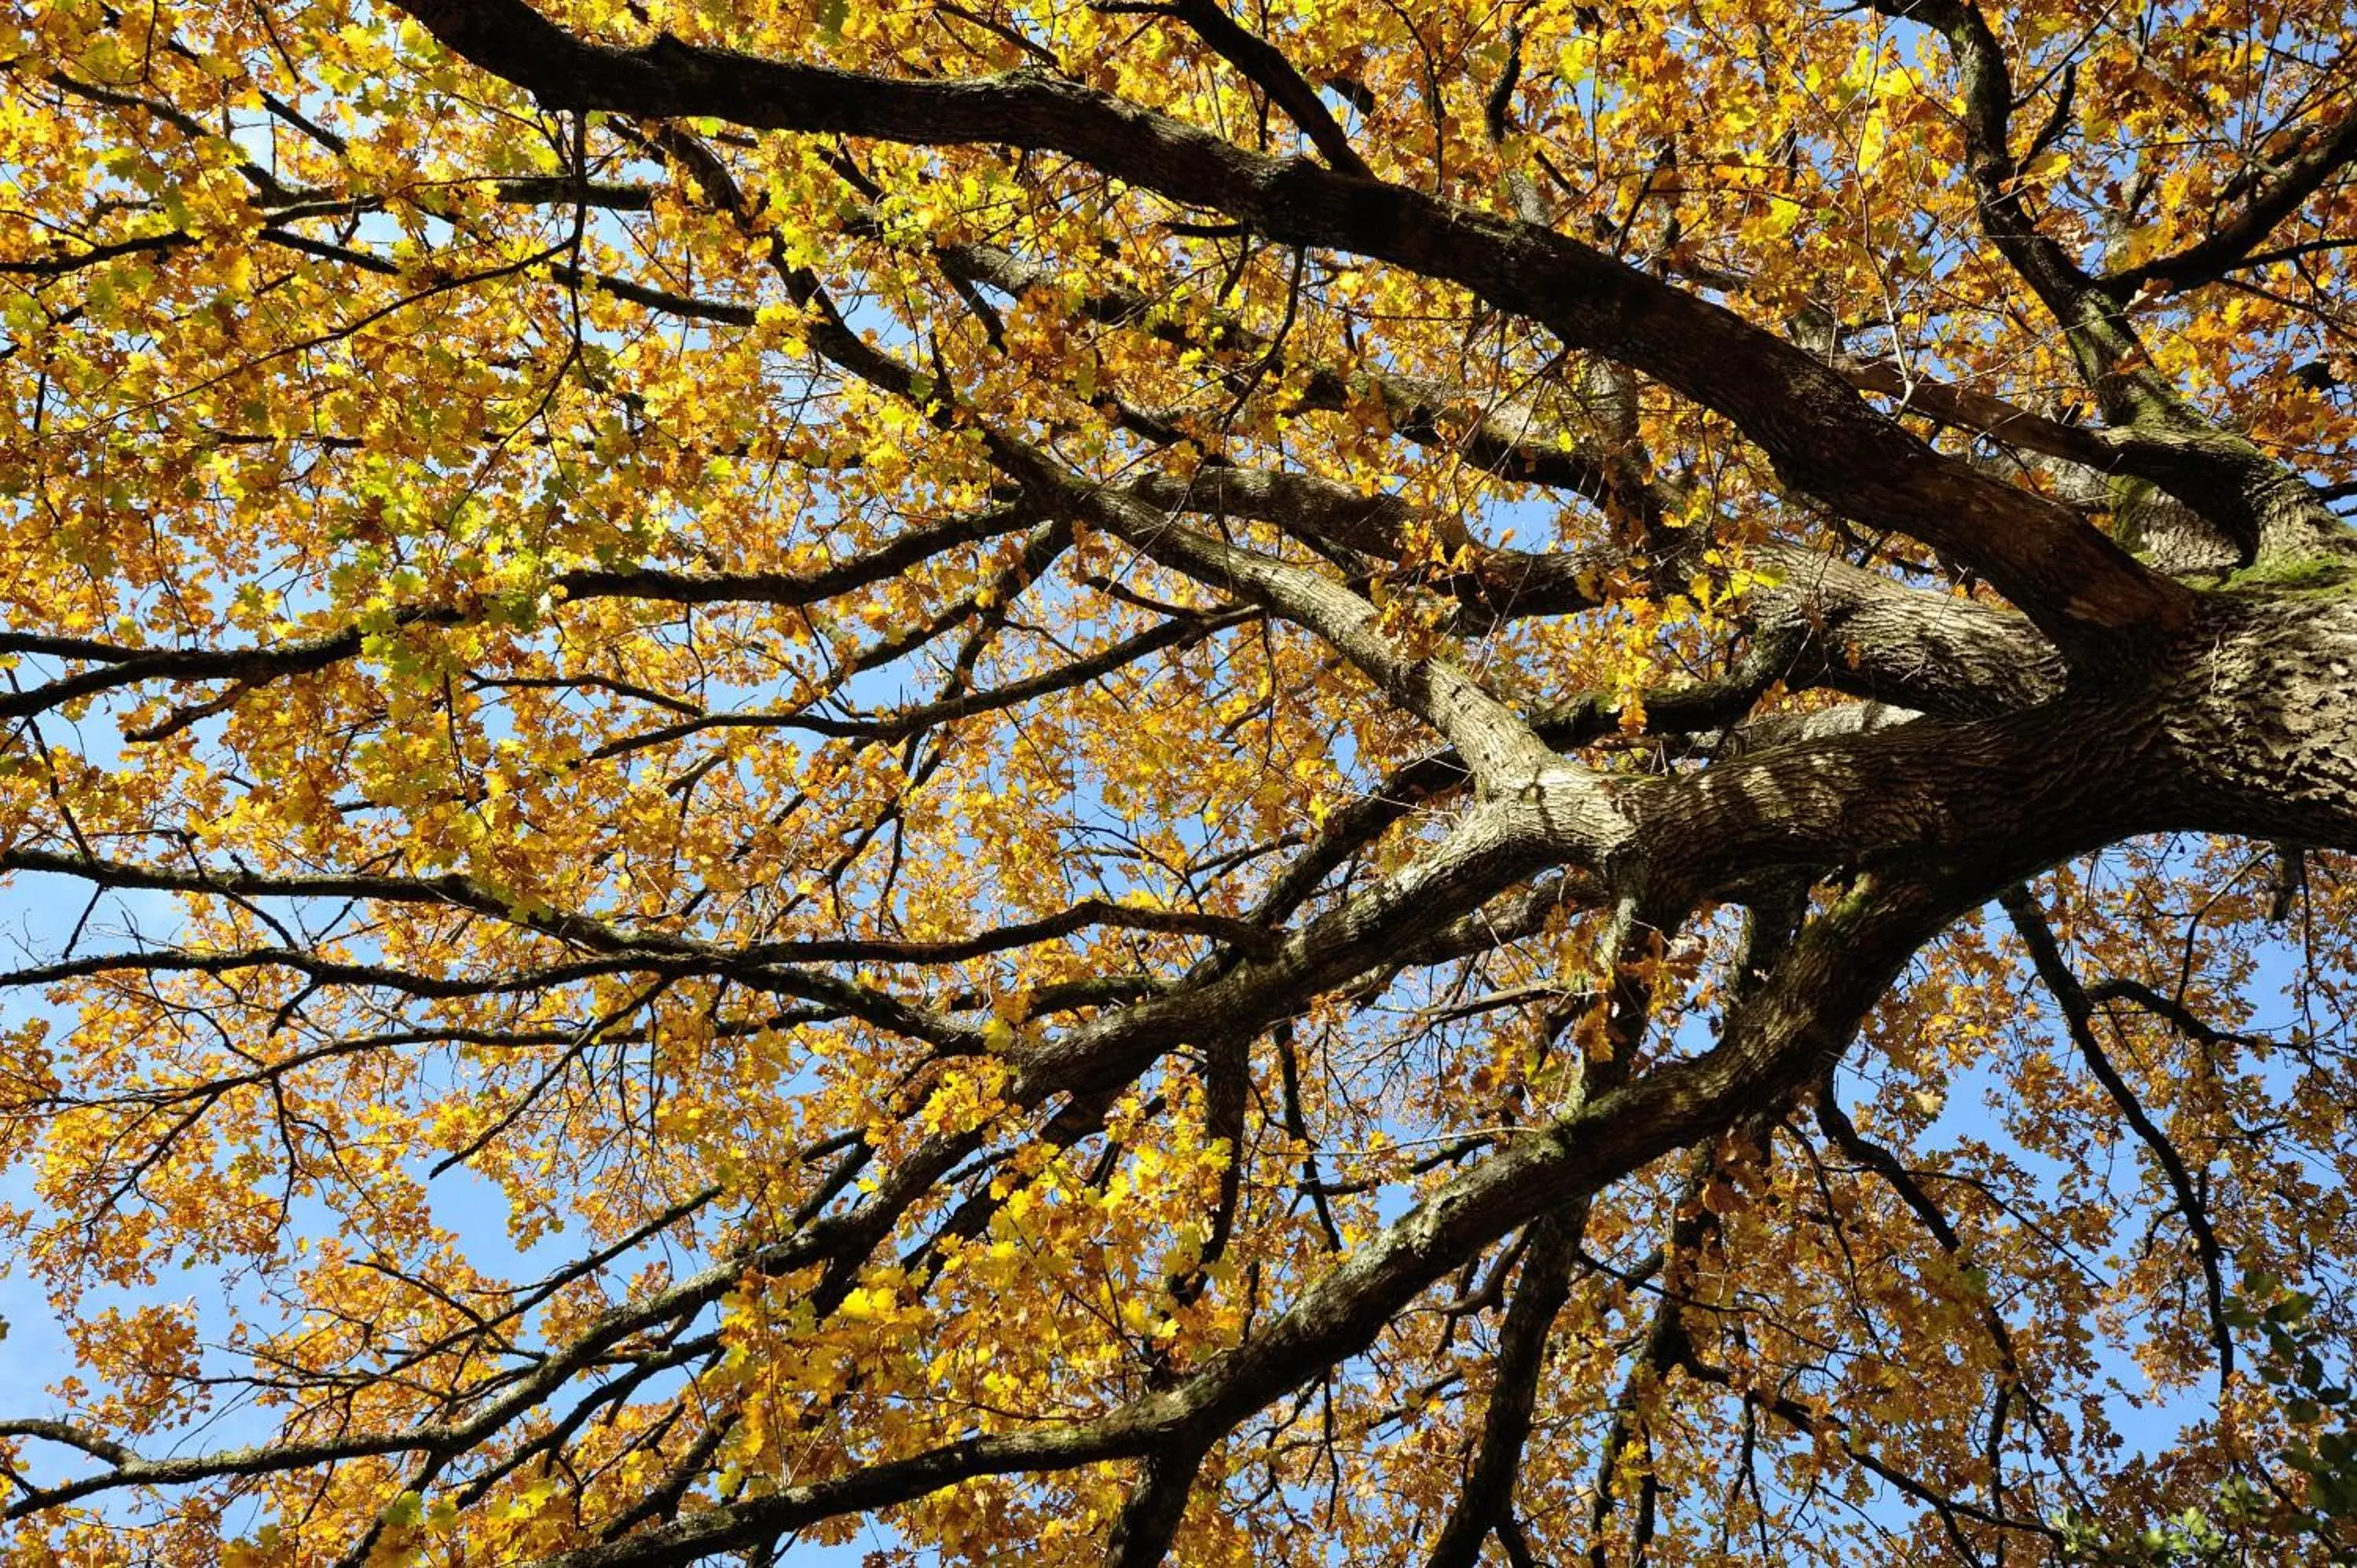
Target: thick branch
{"type": "Point", "coordinates": [1487, 1497]}
{"type": "Point", "coordinates": [1268, 69]}
{"type": "Point", "coordinates": [2232, 244]}
{"type": "Point", "coordinates": [1822, 436]}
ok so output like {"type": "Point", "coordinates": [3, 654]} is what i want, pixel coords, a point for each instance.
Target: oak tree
{"type": "Point", "coordinates": [1374, 780]}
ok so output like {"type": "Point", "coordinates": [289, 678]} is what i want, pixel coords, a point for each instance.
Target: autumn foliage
{"type": "Point", "coordinates": [1365, 782]}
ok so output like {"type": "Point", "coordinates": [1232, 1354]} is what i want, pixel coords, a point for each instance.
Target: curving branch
{"type": "Point", "coordinates": [1715, 764]}
{"type": "Point", "coordinates": [2077, 1014]}
{"type": "Point", "coordinates": [2235, 243]}
{"type": "Point", "coordinates": [2082, 591]}
{"type": "Point", "coordinates": [2256, 502]}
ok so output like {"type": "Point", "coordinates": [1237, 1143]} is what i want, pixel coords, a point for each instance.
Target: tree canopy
{"type": "Point", "coordinates": [1374, 781]}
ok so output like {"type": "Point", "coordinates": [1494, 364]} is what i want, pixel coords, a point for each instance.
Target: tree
{"type": "Point", "coordinates": [1374, 781]}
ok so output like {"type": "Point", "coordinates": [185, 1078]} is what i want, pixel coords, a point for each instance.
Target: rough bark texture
{"type": "Point", "coordinates": [2034, 692]}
